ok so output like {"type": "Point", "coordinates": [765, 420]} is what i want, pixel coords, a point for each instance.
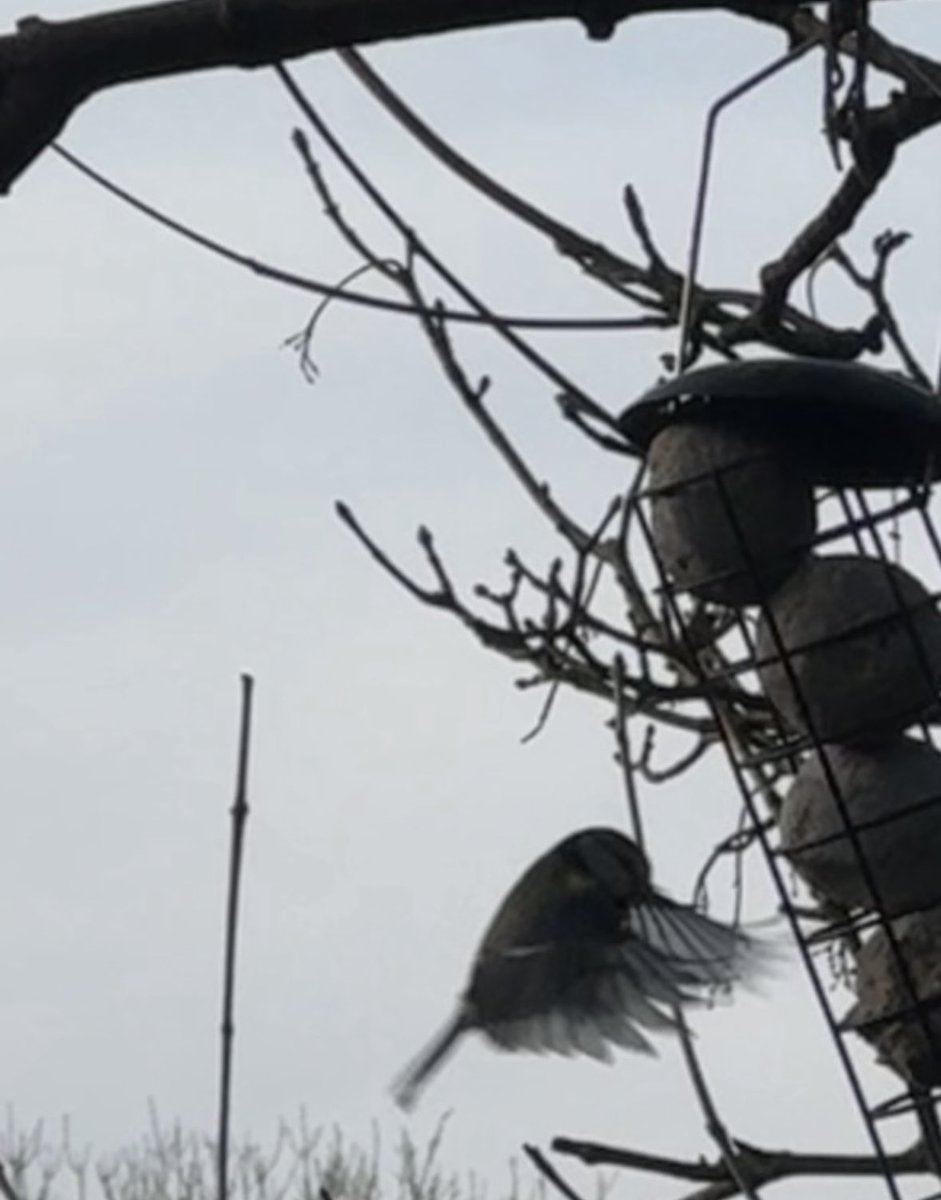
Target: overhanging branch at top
{"type": "Point", "coordinates": [48, 68]}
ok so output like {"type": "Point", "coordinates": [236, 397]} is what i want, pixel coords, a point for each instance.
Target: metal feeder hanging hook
{"type": "Point", "coordinates": [726, 100]}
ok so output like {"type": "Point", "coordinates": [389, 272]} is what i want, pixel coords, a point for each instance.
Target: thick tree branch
{"type": "Point", "coordinates": [49, 68]}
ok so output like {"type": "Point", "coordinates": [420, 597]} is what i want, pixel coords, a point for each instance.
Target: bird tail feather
{"type": "Point", "coordinates": [409, 1082]}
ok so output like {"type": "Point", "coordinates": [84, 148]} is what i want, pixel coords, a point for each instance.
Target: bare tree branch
{"type": "Point", "coordinates": [328, 291]}
{"type": "Point", "coordinates": [653, 286]}
{"type": "Point", "coordinates": [737, 843]}
{"type": "Point", "coordinates": [623, 755]}
{"type": "Point", "coordinates": [874, 285]}
{"type": "Point", "coordinates": [875, 135]}
{"type": "Point", "coordinates": [760, 1166]}
{"type": "Point", "coordinates": [736, 1165]}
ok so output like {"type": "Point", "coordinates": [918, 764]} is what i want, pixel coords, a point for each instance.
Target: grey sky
{"type": "Point", "coordinates": [168, 481]}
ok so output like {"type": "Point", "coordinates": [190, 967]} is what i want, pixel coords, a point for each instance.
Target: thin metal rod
{"type": "Point", "coordinates": [239, 816]}
{"type": "Point", "coordinates": [702, 187]}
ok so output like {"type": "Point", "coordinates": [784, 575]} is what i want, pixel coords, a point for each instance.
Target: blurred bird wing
{"type": "Point", "coordinates": [622, 979]}
{"type": "Point", "coordinates": [616, 991]}
{"type": "Point", "coordinates": [561, 1032]}
{"type": "Point", "coordinates": [641, 978]}
{"type": "Point", "coordinates": [696, 950]}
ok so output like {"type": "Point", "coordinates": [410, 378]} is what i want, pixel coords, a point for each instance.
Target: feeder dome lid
{"type": "Point", "coordinates": [851, 425]}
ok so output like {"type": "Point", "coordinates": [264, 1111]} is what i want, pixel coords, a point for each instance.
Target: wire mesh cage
{"type": "Point", "coordinates": [784, 509]}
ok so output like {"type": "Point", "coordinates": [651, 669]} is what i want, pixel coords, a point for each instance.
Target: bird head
{"type": "Point", "coordinates": [609, 862]}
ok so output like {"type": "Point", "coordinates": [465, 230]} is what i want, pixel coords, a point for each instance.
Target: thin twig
{"type": "Point", "coordinates": [624, 754]}
{"type": "Point", "coordinates": [473, 400]}
{"type": "Point", "coordinates": [548, 1171]}
{"type": "Point", "coordinates": [436, 599]}
{"type": "Point", "coordinates": [715, 1127]}
{"type": "Point", "coordinates": [419, 247]}
{"type": "Point", "coordinates": [331, 292]}
{"type": "Point", "coordinates": [736, 843]}
{"type": "Point", "coordinates": [239, 816]}
{"type": "Point", "coordinates": [527, 641]}
{"type": "Point", "coordinates": [7, 1190]}
{"type": "Point", "coordinates": [874, 286]}
{"type": "Point", "coordinates": [357, 243]}
{"type": "Point", "coordinates": [302, 341]}
{"type": "Point", "coordinates": [679, 765]}
{"type": "Point", "coordinates": [567, 240]}
{"type": "Point", "coordinates": [544, 713]}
